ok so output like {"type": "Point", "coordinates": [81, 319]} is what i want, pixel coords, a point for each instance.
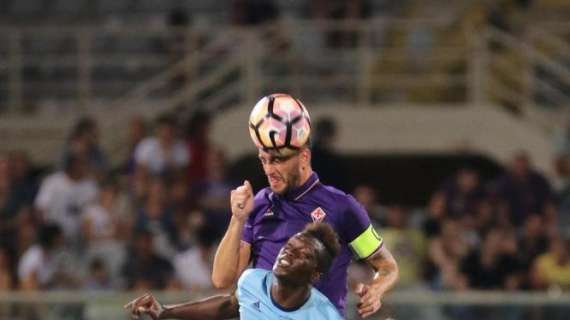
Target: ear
{"type": "Point", "coordinates": [306, 155]}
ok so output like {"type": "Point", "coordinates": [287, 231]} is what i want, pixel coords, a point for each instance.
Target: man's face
{"type": "Point", "coordinates": [283, 173]}
{"type": "Point", "coordinates": [166, 134]}
{"type": "Point", "coordinates": [297, 263]}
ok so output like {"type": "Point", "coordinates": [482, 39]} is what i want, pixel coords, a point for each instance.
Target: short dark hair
{"type": "Point", "coordinates": [83, 126]}
{"type": "Point", "coordinates": [326, 235]}
{"type": "Point", "coordinates": [48, 235]}
{"type": "Point", "coordinates": [166, 119]}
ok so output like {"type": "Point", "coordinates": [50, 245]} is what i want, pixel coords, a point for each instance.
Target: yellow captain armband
{"type": "Point", "coordinates": [366, 243]}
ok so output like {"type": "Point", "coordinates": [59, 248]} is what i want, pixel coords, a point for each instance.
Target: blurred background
{"type": "Point", "coordinates": [123, 128]}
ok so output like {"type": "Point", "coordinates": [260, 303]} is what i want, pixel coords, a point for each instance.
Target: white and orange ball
{"type": "Point", "coordinates": [279, 123]}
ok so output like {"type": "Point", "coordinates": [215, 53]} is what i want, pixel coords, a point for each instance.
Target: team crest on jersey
{"type": "Point", "coordinates": [318, 215]}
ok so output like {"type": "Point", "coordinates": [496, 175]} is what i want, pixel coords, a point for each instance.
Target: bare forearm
{"type": "Point", "coordinates": [386, 271]}
{"type": "Point", "coordinates": [226, 261]}
{"type": "Point", "coordinates": [216, 307]}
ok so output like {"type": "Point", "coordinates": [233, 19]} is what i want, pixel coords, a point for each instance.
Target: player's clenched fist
{"type": "Point", "coordinates": [146, 304]}
{"type": "Point", "coordinates": [241, 200]}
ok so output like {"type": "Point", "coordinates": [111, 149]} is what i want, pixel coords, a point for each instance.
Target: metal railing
{"type": "Point", "coordinates": [360, 62]}
{"type": "Point", "coordinates": [399, 305]}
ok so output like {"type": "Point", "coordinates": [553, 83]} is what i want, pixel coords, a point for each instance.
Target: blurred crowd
{"type": "Point", "coordinates": [153, 222]}
{"type": "Point", "coordinates": [509, 233]}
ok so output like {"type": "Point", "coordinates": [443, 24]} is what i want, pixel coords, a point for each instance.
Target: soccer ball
{"type": "Point", "coordinates": [279, 123]}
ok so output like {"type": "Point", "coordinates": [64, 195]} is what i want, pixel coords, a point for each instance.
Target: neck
{"type": "Point", "coordinates": [289, 296]}
{"type": "Point", "coordinates": [305, 175]}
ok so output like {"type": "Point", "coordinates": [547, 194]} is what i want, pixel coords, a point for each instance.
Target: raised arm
{"type": "Point", "coordinates": [216, 307]}
{"type": "Point", "coordinates": [233, 254]}
{"type": "Point", "coordinates": [385, 277]}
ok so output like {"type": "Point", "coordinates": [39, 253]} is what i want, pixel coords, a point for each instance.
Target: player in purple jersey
{"type": "Point", "coordinates": [261, 225]}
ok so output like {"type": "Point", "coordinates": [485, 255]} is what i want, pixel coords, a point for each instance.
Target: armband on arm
{"type": "Point", "coordinates": [366, 243]}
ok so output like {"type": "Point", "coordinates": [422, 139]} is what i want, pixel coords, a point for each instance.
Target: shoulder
{"type": "Point", "coordinates": [252, 274]}
{"type": "Point", "coordinates": [54, 178]}
{"type": "Point", "coordinates": [338, 196]}
{"type": "Point", "coordinates": [149, 142]}
{"type": "Point", "coordinates": [147, 145]}
{"type": "Point", "coordinates": [31, 259]}
{"type": "Point", "coordinates": [34, 252]}
{"type": "Point", "coordinates": [344, 204]}
{"type": "Point", "coordinates": [324, 305]}
{"type": "Point", "coordinates": [262, 196]}
{"type": "Point", "coordinates": [251, 282]}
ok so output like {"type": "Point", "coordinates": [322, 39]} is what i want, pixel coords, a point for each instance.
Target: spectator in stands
{"type": "Point", "coordinates": [104, 230]}
{"type": "Point", "coordinates": [366, 196]}
{"type": "Point", "coordinates": [212, 192]}
{"type": "Point", "coordinates": [162, 154]}
{"type": "Point", "coordinates": [145, 269]}
{"type": "Point", "coordinates": [407, 244]}
{"type": "Point", "coordinates": [330, 166]}
{"type": "Point", "coordinates": [84, 142]}
{"type": "Point", "coordinates": [63, 195]}
{"type": "Point", "coordinates": [551, 270]}
{"type": "Point", "coordinates": [17, 191]}
{"type": "Point", "coordinates": [7, 281]}
{"type": "Point", "coordinates": [485, 217]}
{"type": "Point", "coordinates": [463, 192]}
{"type": "Point", "coordinates": [99, 223]}
{"type": "Point", "coordinates": [179, 203]}
{"type": "Point", "coordinates": [523, 191]}
{"type": "Point", "coordinates": [156, 215]}
{"type": "Point", "coordinates": [532, 243]}
{"type": "Point", "coordinates": [136, 132]}
{"type": "Point", "coordinates": [22, 178]}
{"type": "Point", "coordinates": [99, 278]}
{"type": "Point", "coordinates": [8, 207]}
{"type": "Point", "coordinates": [47, 264]}
{"type": "Point", "coordinates": [194, 266]}
{"type": "Point", "coordinates": [493, 265]}
{"type": "Point", "coordinates": [435, 215]}
{"type": "Point", "coordinates": [445, 253]}
{"type": "Point", "coordinates": [27, 230]}
{"type": "Point", "coordinates": [199, 145]}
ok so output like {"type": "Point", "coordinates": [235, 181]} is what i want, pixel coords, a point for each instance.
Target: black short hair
{"type": "Point", "coordinates": [326, 235]}
{"type": "Point", "coordinates": [166, 119]}
{"type": "Point", "coordinates": [48, 235]}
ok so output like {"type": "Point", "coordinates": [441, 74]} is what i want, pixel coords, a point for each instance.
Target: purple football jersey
{"type": "Point", "coordinates": [276, 218]}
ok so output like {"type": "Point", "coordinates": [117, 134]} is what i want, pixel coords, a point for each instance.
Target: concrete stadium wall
{"type": "Point", "coordinates": [399, 129]}
{"type": "Point", "coordinates": [406, 129]}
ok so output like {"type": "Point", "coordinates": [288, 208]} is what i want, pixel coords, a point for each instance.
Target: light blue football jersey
{"type": "Point", "coordinates": [255, 302]}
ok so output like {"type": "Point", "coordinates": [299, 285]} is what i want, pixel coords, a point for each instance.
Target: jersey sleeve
{"type": "Point", "coordinates": [247, 234]}
{"type": "Point", "coordinates": [248, 273]}
{"type": "Point", "coordinates": [247, 284]}
{"type": "Point", "coordinates": [358, 232]}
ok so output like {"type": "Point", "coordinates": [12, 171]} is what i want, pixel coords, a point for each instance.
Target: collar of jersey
{"type": "Point", "coordinates": [268, 282]}
{"type": "Point", "coordinates": [298, 193]}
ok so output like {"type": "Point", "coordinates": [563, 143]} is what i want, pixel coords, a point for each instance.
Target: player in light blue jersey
{"type": "Point", "coordinates": [285, 293]}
